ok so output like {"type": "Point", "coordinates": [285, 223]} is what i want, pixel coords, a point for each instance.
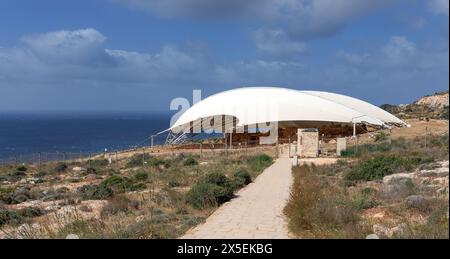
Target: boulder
{"type": "Point", "coordinates": [427, 173]}
{"type": "Point", "coordinates": [442, 172]}
{"type": "Point", "coordinates": [386, 232]}
{"type": "Point", "coordinates": [397, 178]}
{"type": "Point", "coordinates": [417, 202]}
{"type": "Point", "coordinates": [381, 231]}
{"type": "Point", "coordinates": [78, 169]}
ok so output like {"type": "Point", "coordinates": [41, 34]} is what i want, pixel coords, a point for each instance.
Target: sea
{"type": "Point", "coordinates": [29, 133]}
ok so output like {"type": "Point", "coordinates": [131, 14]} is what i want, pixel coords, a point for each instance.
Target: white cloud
{"type": "Point", "coordinates": [205, 9]}
{"type": "Point", "coordinates": [439, 6]}
{"type": "Point", "coordinates": [285, 25]}
{"type": "Point", "coordinates": [275, 44]}
{"type": "Point", "coordinates": [64, 56]}
{"type": "Point", "coordinates": [301, 18]}
{"type": "Point", "coordinates": [112, 73]}
{"type": "Point", "coordinates": [78, 46]}
{"type": "Point", "coordinates": [398, 51]}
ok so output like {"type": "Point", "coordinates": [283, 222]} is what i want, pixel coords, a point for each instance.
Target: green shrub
{"type": "Point", "coordinates": [242, 178]}
{"type": "Point", "coordinates": [41, 174]}
{"type": "Point", "coordinates": [213, 189]}
{"type": "Point", "coordinates": [205, 194]}
{"type": "Point", "coordinates": [141, 176]}
{"type": "Point", "coordinates": [363, 202]}
{"type": "Point", "coordinates": [99, 163]}
{"type": "Point", "coordinates": [16, 217]}
{"type": "Point", "coordinates": [259, 162]}
{"type": "Point", "coordinates": [366, 149]}
{"type": "Point", "coordinates": [190, 161]}
{"type": "Point", "coordinates": [381, 136]}
{"type": "Point", "coordinates": [217, 179]}
{"type": "Point", "coordinates": [5, 194]}
{"type": "Point", "coordinates": [136, 161]}
{"type": "Point", "coordinates": [121, 184]}
{"type": "Point", "coordinates": [22, 168]}
{"type": "Point", "coordinates": [59, 168]}
{"type": "Point", "coordinates": [382, 165]}
{"type": "Point", "coordinates": [95, 192]}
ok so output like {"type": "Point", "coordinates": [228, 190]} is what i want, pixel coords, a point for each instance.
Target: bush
{"type": "Point", "coordinates": [95, 192]}
{"type": "Point", "coordinates": [259, 162]}
{"type": "Point", "coordinates": [5, 194]}
{"type": "Point", "coordinates": [99, 163]}
{"type": "Point", "coordinates": [204, 194]}
{"type": "Point", "coordinates": [190, 161]}
{"type": "Point", "coordinates": [213, 189]}
{"type": "Point", "coordinates": [366, 149]}
{"type": "Point", "coordinates": [217, 179]}
{"type": "Point", "coordinates": [59, 168]}
{"type": "Point", "coordinates": [22, 168]}
{"type": "Point", "coordinates": [16, 217]}
{"type": "Point", "coordinates": [121, 184]}
{"type": "Point", "coordinates": [382, 165]}
{"type": "Point", "coordinates": [136, 161]}
{"type": "Point", "coordinates": [381, 136]}
{"type": "Point", "coordinates": [141, 176]}
{"type": "Point", "coordinates": [242, 178]}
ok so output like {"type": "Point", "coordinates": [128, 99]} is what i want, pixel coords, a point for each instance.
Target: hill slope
{"type": "Point", "coordinates": [432, 106]}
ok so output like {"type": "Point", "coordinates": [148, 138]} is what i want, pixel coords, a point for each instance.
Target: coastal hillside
{"type": "Point", "coordinates": [431, 106]}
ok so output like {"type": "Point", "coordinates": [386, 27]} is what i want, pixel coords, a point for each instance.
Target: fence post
{"type": "Point", "coordinates": [89, 161]}
{"type": "Point", "coordinates": [426, 133]}
{"type": "Point", "coordinates": [289, 147]}
{"type": "Point", "coordinates": [143, 157]}
{"type": "Point", "coordinates": [201, 149]}
{"type": "Point", "coordinates": [39, 161]}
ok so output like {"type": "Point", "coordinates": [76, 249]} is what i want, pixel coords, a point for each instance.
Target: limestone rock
{"type": "Point", "coordinates": [397, 178]}
{"type": "Point", "coordinates": [417, 202]}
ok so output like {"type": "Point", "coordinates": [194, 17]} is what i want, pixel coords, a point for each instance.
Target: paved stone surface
{"type": "Point", "coordinates": [256, 212]}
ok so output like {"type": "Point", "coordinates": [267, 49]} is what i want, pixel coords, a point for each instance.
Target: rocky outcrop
{"type": "Point", "coordinates": [432, 107]}
{"type": "Point", "coordinates": [438, 100]}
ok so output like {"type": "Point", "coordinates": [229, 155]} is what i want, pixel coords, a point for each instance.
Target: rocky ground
{"type": "Point", "coordinates": [428, 107]}
{"type": "Point", "coordinates": [137, 196]}
{"type": "Point", "coordinates": [418, 192]}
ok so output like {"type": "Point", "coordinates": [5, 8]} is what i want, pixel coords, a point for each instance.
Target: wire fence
{"type": "Point", "coordinates": [198, 146]}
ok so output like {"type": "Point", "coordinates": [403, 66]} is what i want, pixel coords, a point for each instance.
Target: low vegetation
{"type": "Point", "coordinates": [349, 199]}
{"type": "Point", "coordinates": [142, 196]}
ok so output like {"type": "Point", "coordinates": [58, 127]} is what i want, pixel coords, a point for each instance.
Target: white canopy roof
{"type": "Point", "coordinates": [256, 105]}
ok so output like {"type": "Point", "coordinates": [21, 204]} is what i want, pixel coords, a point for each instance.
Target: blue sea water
{"type": "Point", "coordinates": [28, 133]}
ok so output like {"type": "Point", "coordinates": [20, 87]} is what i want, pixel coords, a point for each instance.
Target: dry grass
{"type": "Point", "coordinates": [319, 208]}
{"type": "Point", "coordinates": [141, 198]}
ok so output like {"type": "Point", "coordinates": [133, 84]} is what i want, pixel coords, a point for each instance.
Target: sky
{"type": "Point", "coordinates": [127, 55]}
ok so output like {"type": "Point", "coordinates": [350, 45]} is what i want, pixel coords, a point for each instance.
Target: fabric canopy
{"type": "Point", "coordinates": [256, 105]}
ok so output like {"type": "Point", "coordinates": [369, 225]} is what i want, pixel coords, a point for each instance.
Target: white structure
{"type": "Point", "coordinates": [302, 109]}
{"type": "Point", "coordinates": [341, 145]}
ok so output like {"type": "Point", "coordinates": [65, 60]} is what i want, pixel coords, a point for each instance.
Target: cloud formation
{"type": "Point", "coordinates": [286, 24]}
{"type": "Point", "coordinates": [439, 6]}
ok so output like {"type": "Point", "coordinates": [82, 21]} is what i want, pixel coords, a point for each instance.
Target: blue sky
{"type": "Point", "coordinates": [140, 54]}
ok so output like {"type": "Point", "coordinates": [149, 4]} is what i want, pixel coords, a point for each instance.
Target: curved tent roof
{"type": "Point", "coordinates": [253, 105]}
